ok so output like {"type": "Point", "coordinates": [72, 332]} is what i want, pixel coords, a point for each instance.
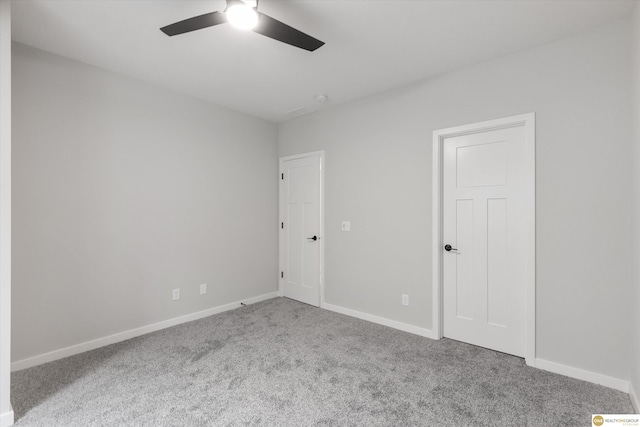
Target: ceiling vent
{"type": "Point", "coordinates": [297, 112]}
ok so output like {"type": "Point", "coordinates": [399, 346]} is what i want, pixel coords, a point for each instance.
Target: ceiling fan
{"type": "Point", "coordinates": [243, 15]}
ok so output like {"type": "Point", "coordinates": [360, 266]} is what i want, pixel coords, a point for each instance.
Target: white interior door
{"type": "Point", "coordinates": [300, 198]}
{"type": "Point", "coordinates": [484, 250]}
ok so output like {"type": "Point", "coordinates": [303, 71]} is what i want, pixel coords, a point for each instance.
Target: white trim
{"type": "Point", "coordinates": [530, 233]}
{"type": "Point", "coordinates": [423, 332]}
{"type": "Point", "coordinates": [132, 333]}
{"type": "Point", "coordinates": [281, 216]}
{"type": "Point", "coordinates": [322, 235]}
{"type": "Point", "coordinates": [6, 419]}
{"type": "Point", "coordinates": [635, 401]}
{"type": "Point", "coordinates": [436, 243]}
{"type": "Point", "coordinates": [528, 121]}
{"type": "Point", "coordinates": [581, 374]}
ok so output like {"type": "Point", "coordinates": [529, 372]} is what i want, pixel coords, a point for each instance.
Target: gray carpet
{"type": "Point", "coordinates": [284, 363]}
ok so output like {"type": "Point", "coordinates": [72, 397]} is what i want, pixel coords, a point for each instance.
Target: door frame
{"type": "Point", "coordinates": [321, 219]}
{"type": "Point", "coordinates": [439, 136]}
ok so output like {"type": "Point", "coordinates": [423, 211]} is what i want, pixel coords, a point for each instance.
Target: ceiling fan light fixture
{"type": "Point", "coordinates": [242, 16]}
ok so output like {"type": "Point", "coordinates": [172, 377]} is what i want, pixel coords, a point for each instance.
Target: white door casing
{"type": "Point", "coordinates": [301, 231]}
{"type": "Point", "coordinates": [484, 206]}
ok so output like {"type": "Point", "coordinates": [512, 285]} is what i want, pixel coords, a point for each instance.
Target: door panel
{"type": "Point", "coordinates": [293, 259]}
{"type": "Point", "coordinates": [483, 209]}
{"type": "Point", "coordinates": [481, 165]}
{"type": "Point", "coordinates": [465, 297]}
{"type": "Point", "coordinates": [300, 207]}
{"type": "Point", "coordinates": [497, 284]}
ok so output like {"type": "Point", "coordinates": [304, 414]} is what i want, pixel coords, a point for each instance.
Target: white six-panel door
{"type": "Point", "coordinates": [483, 214]}
{"type": "Point", "coordinates": [300, 228]}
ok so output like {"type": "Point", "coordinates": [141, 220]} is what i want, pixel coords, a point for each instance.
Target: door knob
{"type": "Point", "coordinates": [448, 248]}
{"type": "Point", "coordinates": [314, 238]}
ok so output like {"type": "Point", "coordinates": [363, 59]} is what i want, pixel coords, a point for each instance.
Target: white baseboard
{"type": "Point", "coordinates": [423, 332]}
{"type": "Point", "coordinates": [6, 419]}
{"type": "Point", "coordinates": [634, 398]}
{"type": "Point", "coordinates": [132, 333]}
{"type": "Point", "coordinates": [557, 368]}
{"type": "Point", "coordinates": [581, 374]}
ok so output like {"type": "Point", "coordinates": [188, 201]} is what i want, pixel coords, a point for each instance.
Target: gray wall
{"type": "Point", "coordinates": [378, 175]}
{"type": "Point", "coordinates": [124, 191]}
{"type": "Point", "coordinates": [635, 329]}
{"type": "Point", "coordinates": [6, 414]}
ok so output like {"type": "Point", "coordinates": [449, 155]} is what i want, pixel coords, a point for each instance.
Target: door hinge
{"type": "Point", "coordinates": [282, 176]}
{"type": "Point", "coordinates": [282, 225]}
{"type": "Point", "coordinates": [282, 274]}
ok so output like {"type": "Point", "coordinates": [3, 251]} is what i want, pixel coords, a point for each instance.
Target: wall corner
{"type": "Point", "coordinates": [6, 412]}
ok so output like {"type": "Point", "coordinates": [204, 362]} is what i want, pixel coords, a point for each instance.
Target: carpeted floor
{"type": "Point", "coordinates": [284, 363]}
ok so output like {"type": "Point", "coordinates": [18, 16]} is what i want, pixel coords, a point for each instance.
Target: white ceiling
{"type": "Point", "coordinates": [371, 45]}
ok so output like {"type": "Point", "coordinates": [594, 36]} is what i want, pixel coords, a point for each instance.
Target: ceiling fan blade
{"type": "Point", "coordinates": [267, 26]}
{"type": "Point", "coordinates": [195, 23]}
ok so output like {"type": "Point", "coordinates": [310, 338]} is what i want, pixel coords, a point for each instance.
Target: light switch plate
{"type": "Point", "coordinates": [405, 300]}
